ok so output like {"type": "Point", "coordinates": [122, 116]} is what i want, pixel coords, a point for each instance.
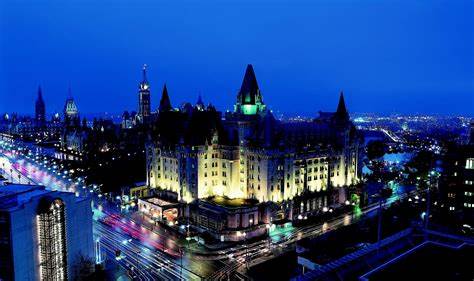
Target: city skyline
{"type": "Point", "coordinates": [401, 64]}
{"type": "Point", "coordinates": [236, 140]}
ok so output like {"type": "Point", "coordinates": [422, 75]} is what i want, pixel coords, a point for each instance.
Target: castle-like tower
{"type": "Point", "coordinates": [249, 98]}
{"type": "Point", "coordinates": [40, 110]}
{"type": "Point", "coordinates": [165, 102]}
{"type": "Point", "coordinates": [71, 112]}
{"type": "Point", "coordinates": [144, 103]}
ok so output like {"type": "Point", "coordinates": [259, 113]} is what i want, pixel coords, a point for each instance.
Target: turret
{"type": "Point", "coordinates": [40, 109]}
{"type": "Point", "coordinates": [165, 103]}
{"type": "Point", "coordinates": [341, 112]}
{"type": "Point", "coordinates": [200, 104]}
{"type": "Point", "coordinates": [249, 99]}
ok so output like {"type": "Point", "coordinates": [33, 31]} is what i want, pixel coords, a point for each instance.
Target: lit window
{"type": "Point", "coordinates": [470, 163]}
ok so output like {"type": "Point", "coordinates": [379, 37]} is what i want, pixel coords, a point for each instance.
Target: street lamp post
{"type": "Point", "coordinates": [428, 198]}
{"type": "Point", "coordinates": [268, 238]}
{"type": "Point", "coordinates": [246, 250]}
{"type": "Point", "coordinates": [181, 268]}
{"type": "Point", "coordinates": [246, 245]}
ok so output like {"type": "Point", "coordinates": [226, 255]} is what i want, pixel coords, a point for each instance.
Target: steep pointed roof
{"type": "Point", "coordinates": [69, 93]}
{"type": "Point", "coordinates": [249, 99]}
{"type": "Point", "coordinates": [40, 93]}
{"type": "Point", "coordinates": [39, 99]}
{"type": "Point", "coordinates": [165, 103]}
{"type": "Point", "coordinates": [249, 84]}
{"type": "Point", "coordinates": [249, 92]}
{"type": "Point", "coordinates": [341, 111]}
{"type": "Point", "coordinates": [200, 104]}
{"type": "Point", "coordinates": [199, 101]}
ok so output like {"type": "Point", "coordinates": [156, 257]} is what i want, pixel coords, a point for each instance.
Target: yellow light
{"type": "Point", "coordinates": [219, 190]}
{"type": "Point", "coordinates": [235, 193]}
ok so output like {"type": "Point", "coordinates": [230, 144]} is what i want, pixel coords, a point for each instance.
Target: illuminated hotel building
{"type": "Point", "coordinates": [43, 233]}
{"type": "Point", "coordinates": [197, 153]}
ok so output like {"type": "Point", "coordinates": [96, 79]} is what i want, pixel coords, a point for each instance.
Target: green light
{"type": "Point", "coordinates": [357, 211]}
{"type": "Point", "coordinates": [249, 109]}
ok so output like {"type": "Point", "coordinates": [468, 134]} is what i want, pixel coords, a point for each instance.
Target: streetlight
{"type": "Point", "coordinates": [246, 249]}
{"type": "Point", "coordinates": [268, 226]}
{"type": "Point", "coordinates": [181, 268]}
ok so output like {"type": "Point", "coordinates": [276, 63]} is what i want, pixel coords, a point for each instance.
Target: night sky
{"type": "Point", "coordinates": [413, 56]}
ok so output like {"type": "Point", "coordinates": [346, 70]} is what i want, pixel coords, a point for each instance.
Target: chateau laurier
{"type": "Point", "coordinates": [197, 152]}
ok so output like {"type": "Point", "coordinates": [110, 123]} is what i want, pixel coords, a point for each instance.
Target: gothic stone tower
{"type": "Point", "coordinates": [40, 110]}
{"type": "Point", "coordinates": [144, 98]}
{"type": "Point", "coordinates": [249, 99]}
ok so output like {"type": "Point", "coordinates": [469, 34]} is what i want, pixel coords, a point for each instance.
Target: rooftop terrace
{"type": "Point", "coordinates": [232, 203]}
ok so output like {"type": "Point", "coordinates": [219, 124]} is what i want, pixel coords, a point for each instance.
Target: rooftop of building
{"type": "Point", "coordinates": [431, 264]}
{"type": "Point", "coordinates": [14, 195]}
{"type": "Point", "coordinates": [410, 254]}
{"type": "Point", "coordinates": [159, 202]}
{"type": "Point", "coordinates": [233, 203]}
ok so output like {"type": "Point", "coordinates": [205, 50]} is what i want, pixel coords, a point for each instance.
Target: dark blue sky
{"type": "Point", "coordinates": [388, 56]}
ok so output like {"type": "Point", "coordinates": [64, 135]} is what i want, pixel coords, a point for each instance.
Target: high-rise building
{"type": "Point", "coordinates": [144, 103]}
{"type": "Point", "coordinates": [43, 233]}
{"type": "Point", "coordinates": [40, 110]}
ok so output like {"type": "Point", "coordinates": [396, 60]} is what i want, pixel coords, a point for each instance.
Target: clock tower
{"type": "Point", "coordinates": [144, 98]}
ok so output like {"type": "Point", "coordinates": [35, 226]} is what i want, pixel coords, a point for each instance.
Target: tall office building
{"type": "Point", "coordinates": [43, 233]}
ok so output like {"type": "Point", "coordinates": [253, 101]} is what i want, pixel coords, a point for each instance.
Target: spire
{"type": "Point", "coordinates": [144, 86]}
{"type": "Point", "coordinates": [249, 99]}
{"type": "Point", "coordinates": [40, 109]}
{"type": "Point", "coordinates": [341, 107]}
{"type": "Point", "coordinates": [69, 93]}
{"type": "Point", "coordinates": [165, 103]}
{"type": "Point", "coordinates": [200, 104]}
{"type": "Point", "coordinates": [249, 88]}
{"type": "Point", "coordinates": [40, 93]}
{"type": "Point", "coordinates": [145, 80]}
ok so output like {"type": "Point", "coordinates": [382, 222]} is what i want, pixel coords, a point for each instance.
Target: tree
{"type": "Point", "coordinates": [83, 268]}
{"type": "Point", "coordinates": [376, 149]}
{"type": "Point", "coordinates": [422, 163]}
{"type": "Point", "coordinates": [420, 166]}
